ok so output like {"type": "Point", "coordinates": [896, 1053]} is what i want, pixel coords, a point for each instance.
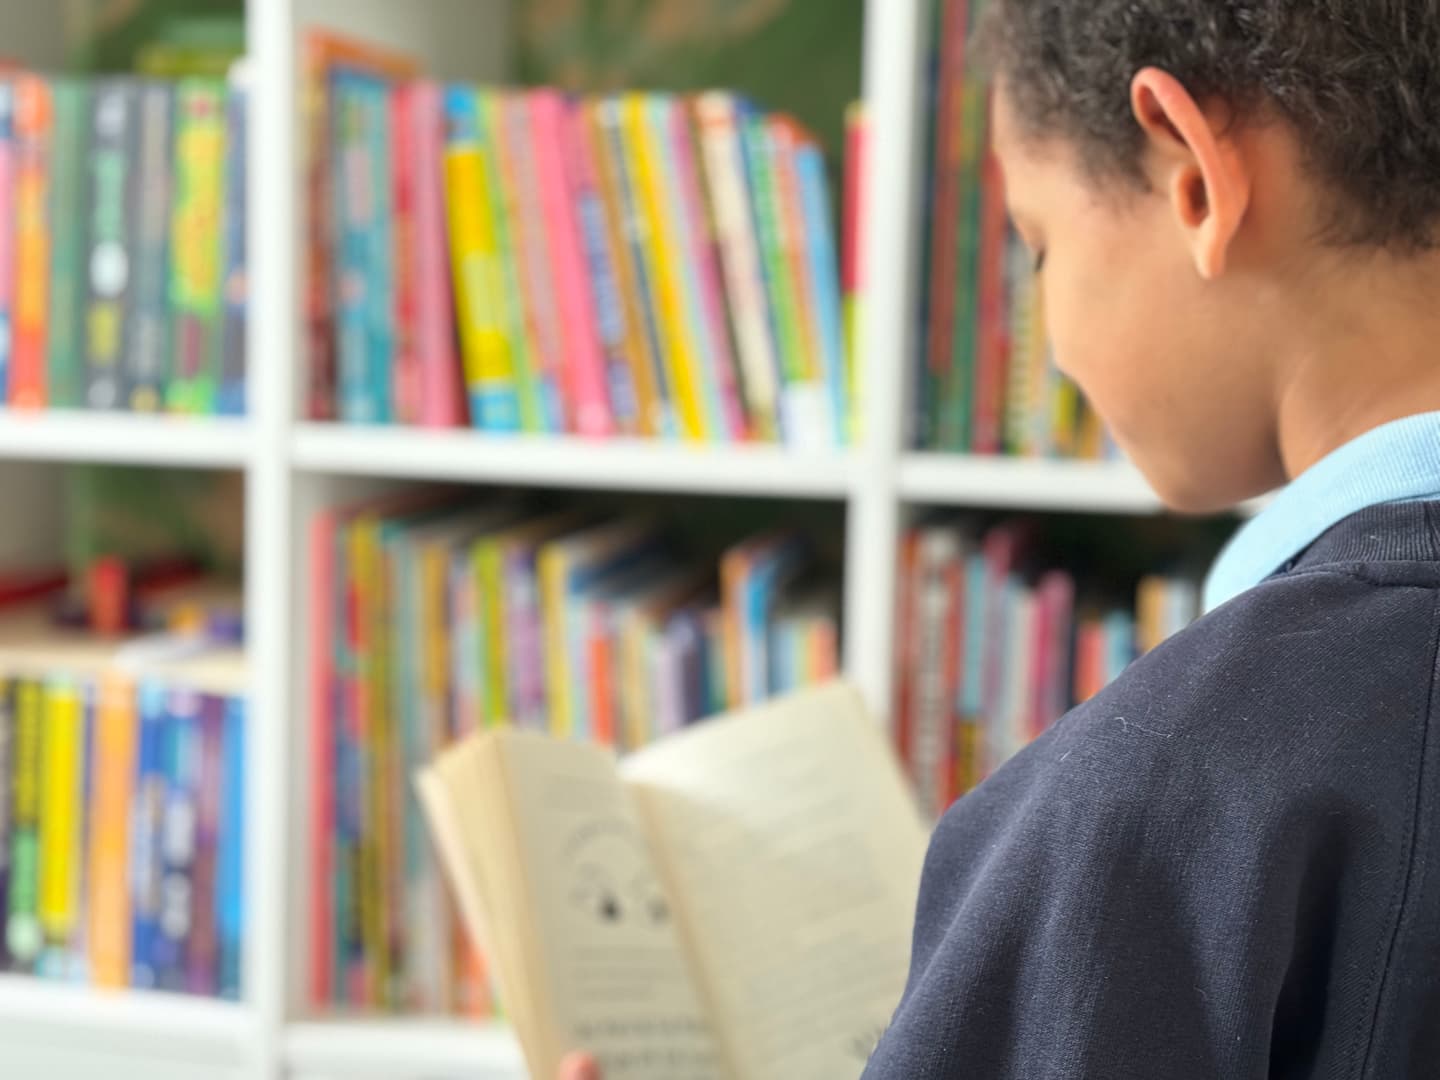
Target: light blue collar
{"type": "Point", "coordinates": [1394, 463]}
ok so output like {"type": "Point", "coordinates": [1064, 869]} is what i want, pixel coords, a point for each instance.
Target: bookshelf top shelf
{"type": "Point", "coordinates": [124, 439]}
{"type": "Point", "coordinates": [125, 1022]}
{"type": "Point", "coordinates": [568, 462]}
{"type": "Point", "coordinates": [1025, 484]}
{"type": "Point", "coordinates": [403, 1049]}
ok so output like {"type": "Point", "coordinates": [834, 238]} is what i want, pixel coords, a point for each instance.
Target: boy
{"type": "Point", "coordinates": [1228, 864]}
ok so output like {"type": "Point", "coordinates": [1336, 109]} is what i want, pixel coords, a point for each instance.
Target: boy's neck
{"type": "Point", "coordinates": [1367, 353]}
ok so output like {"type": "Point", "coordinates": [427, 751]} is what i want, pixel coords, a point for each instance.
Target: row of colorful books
{"type": "Point", "coordinates": [993, 646]}
{"type": "Point", "coordinates": [122, 243]}
{"type": "Point", "coordinates": [527, 261]}
{"type": "Point", "coordinates": [984, 380]}
{"type": "Point", "coordinates": [121, 809]}
{"type": "Point", "coordinates": [432, 619]}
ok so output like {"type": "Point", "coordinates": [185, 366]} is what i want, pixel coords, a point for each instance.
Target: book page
{"type": "Point", "coordinates": [611, 966]}
{"type": "Point", "coordinates": [796, 849]}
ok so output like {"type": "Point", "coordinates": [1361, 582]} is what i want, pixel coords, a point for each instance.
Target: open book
{"type": "Point", "coordinates": [735, 901]}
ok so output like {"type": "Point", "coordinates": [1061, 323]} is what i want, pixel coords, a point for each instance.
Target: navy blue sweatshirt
{"type": "Point", "coordinates": [1224, 867]}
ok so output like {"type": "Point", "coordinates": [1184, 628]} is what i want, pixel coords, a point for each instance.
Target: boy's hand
{"type": "Point", "coordinates": [579, 1067]}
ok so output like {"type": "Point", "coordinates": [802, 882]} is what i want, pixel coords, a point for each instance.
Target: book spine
{"type": "Point", "coordinates": [371, 891]}
{"type": "Point", "coordinates": [61, 773]}
{"type": "Point", "coordinates": [34, 132]}
{"type": "Point", "coordinates": [441, 392]}
{"type": "Point", "coordinates": [352, 977]}
{"type": "Point", "coordinates": [68, 187]}
{"type": "Point", "coordinates": [405, 374]}
{"type": "Point", "coordinates": [379, 242]}
{"type": "Point", "coordinates": [824, 279]}
{"type": "Point", "coordinates": [681, 372]}
{"type": "Point", "coordinates": [466, 710]}
{"type": "Point", "coordinates": [175, 933]}
{"type": "Point", "coordinates": [553, 566]}
{"type": "Point", "coordinates": [354, 209]}
{"type": "Point", "coordinates": [230, 859]}
{"type": "Point", "coordinates": [852, 263]}
{"type": "Point", "coordinates": [146, 359]}
{"type": "Point", "coordinates": [147, 826]}
{"type": "Point", "coordinates": [321, 195]}
{"type": "Point", "coordinates": [585, 363]}
{"type": "Point", "coordinates": [626, 228]}
{"type": "Point", "coordinates": [734, 220]}
{"type": "Point", "coordinates": [116, 762]}
{"type": "Point", "coordinates": [203, 961]}
{"type": "Point", "coordinates": [7, 233]}
{"type": "Point", "coordinates": [489, 367]}
{"type": "Point", "coordinates": [993, 350]}
{"type": "Point", "coordinates": [525, 634]}
{"type": "Point", "coordinates": [22, 928]}
{"type": "Point", "coordinates": [760, 166]}
{"type": "Point", "coordinates": [230, 394]}
{"type": "Point", "coordinates": [324, 628]}
{"type": "Point", "coordinates": [602, 256]}
{"type": "Point", "coordinates": [701, 258]}
{"type": "Point", "coordinates": [906, 651]}
{"type": "Point", "coordinates": [537, 288]}
{"type": "Point", "coordinates": [196, 238]}
{"type": "Point", "coordinates": [7, 788]}
{"type": "Point", "coordinates": [112, 251]}
{"type": "Point", "coordinates": [487, 566]}
{"type": "Point", "coordinates": [510, 230]}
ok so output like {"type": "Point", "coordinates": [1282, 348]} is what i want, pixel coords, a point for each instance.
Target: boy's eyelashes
{"type": "Point", "coordinates": [1039, 261]}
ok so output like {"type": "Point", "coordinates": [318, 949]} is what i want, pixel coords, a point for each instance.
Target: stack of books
{"type": "Point", "coordinates": [532, 262]}
{"type": "Point", "coordinates": [984, 380]}
{"type": "Point", "coordinates": [993, 646]}
{"type": "Point", "coordinates": [121, 809]}
{"type": "Point", "coordinates": [433, 619]}
{"type": "Point", "coordinates": [122, 243]}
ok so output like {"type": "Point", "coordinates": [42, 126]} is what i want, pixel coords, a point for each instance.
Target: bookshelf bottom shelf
{"type": "Point", "coordinates": [402, 1049]}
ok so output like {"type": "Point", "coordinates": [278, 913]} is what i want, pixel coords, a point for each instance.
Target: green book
{"type": "Point", "coordinates": [65, 357]}
{"type": "Point", "coordinates": [196, 246]}
{"type": "Point", "coordinates": [22, 925]}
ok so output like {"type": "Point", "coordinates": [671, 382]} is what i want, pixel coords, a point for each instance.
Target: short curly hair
{"type": "Point", "coordinates": [1358, 81]}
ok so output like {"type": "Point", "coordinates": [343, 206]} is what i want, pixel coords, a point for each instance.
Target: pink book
{"type": "Point", "coordinates": [405, 374]}
{"type": "Point", "coordinates": [7, 235]}
{"type": "Point", "coordinates": [704, 257]}
{"type": "Point", "coordinates": [442, 398]}
{"type": "Point", "coordinates": [322, 761]}
{"type": "Point", "coordinates": [584, 389]}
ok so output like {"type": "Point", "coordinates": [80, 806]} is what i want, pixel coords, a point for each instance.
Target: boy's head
{"type": "Point", "coordinates": [1204, 182]}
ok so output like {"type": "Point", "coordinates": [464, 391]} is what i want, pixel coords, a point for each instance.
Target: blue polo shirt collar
{"type": "Point", "coordinates": [1397, 462]}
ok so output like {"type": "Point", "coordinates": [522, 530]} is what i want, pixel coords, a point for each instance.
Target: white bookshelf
{"type": "Point", "coordinates": [292, 467]}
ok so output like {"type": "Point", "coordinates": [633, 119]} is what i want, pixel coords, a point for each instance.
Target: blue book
{"type": "Point", "coordinates": [230, 395]}
{"type": "Point", "coordinates": [380, 249]}
{"type": "Point", "coordinates": [230, 863]}
{"type": "Point", "coordinates": [358, 322]}
{"type": "Point", "coordinates": [972, 641]}
{"type": "Point", "coordinates": [774, 569]}
{"type": "Point", "coordinates": [824, 276]}
{"type": "Point", "coordinates": [179, 836]}
{"type": "Point", "coordinates": [147, 815]}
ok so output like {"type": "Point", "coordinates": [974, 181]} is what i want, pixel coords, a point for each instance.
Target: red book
{"type": "Point", "coordinates": [945, 198]}
{"type": "Point", "coordinates": [950, 779]}
{"type": "Point", "coordinates": [905, 641]}
{"type": "Point", "coordinates": [323, 627]}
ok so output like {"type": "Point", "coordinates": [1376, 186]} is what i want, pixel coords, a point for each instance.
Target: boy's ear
{"type": "Point", "coordinates": [1192, 159]}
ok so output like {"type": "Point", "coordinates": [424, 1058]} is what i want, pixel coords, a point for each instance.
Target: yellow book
{"type": "Point", "coordinates": [364, 559]}
{"type": "Point", "coordinates": [108, 916]}
{"type": "Point", "coordinates": [61, 782]}
{"type": "Point", "coordinates": [475, 259]}
{"type": "Point", "coordinates": [489, 564]}
{"type": "Point", "coordinates": [553, 568]}
{"type": "Point", "coordinates": [682, 361]}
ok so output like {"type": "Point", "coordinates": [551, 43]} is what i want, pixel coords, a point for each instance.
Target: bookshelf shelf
{"type": "Point", "coordinates": [130, 1023]}
{"type": "Point", "coordinates": [1012, 483]}
{"type": "Point", "coordinates": [402, 1050]}
{"type": "Point", "coordinates": [124, 439]}
{"type": "Point", "coordinates": [612, 465]}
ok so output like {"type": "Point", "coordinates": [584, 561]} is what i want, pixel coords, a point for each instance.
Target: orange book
{"type": "Point", "coordinates": [34, 118]}
{"type": "Point", "coordinates": [109, 856]}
